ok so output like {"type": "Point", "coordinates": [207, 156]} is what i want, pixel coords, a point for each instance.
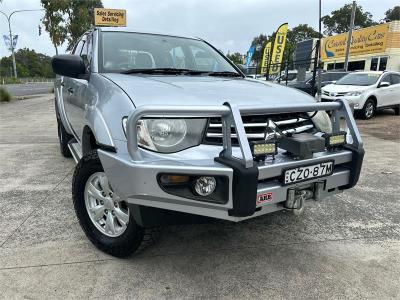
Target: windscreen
{"type": "Point", "coordinates": [362, 79]}
{"type": "Point", "coordinates": [123, 51]}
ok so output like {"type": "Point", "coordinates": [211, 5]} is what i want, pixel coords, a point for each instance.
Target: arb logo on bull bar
{"type": "Point", "coordinates": [264, 198]}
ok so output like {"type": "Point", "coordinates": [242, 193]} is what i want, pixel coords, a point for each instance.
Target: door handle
{"type": "Point", "coordinates": [70, 90]}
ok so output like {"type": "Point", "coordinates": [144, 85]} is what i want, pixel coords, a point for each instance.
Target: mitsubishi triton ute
{"type": "Point", "coordinates": [165, 128]}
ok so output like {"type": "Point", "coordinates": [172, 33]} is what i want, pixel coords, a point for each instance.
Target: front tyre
{"type": "Point", "coordinates": [103, 216]}
{"type": "Point", "coordinates": [397, 110]}
{"type": "Point", "coordinates": [369, 109]}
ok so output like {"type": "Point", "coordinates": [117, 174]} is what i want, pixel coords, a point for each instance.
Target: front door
{"type": "Point", "coordinates": [383, 93]}
{"type": "Point", "coordinates": [77, 90]}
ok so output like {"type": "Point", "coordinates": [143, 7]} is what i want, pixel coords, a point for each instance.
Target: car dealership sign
{"type": "Point", "coordinates": [109, 17]}
{"type": "Point", "coordinates": [364, 41]}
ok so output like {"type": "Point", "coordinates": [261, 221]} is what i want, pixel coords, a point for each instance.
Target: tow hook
{"type": "Point", "coordinates": [296, 199]}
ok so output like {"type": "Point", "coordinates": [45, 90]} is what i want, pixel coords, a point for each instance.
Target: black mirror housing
{"type": "Point", "coordinates": [68, 65]}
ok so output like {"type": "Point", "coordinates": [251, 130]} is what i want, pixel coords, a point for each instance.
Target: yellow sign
{"type": "Point", "coordinates": [279, 47]}
{"type": "Point", "coordinates": [109, 17]}
{"type": "Point", "coordinates": [266, 56]}
{"type": "Point", "coordinates": [364, 41]}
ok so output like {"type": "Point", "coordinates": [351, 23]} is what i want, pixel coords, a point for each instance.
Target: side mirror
{"type": "Point", "coordinates": [68, 65]}
{"type": "Point", "coordinates": [384, 84]}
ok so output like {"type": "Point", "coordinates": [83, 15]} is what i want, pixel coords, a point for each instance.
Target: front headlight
{"type": "Point", "coordinates": [356, 93]}
{"type": "Point", "coordinates": [169, 135]}
{"type": "Point", "coordinates": [322, 121]}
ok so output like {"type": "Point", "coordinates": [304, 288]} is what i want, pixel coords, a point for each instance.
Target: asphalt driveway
{"type": "Point", "coordinates": [344, 247]}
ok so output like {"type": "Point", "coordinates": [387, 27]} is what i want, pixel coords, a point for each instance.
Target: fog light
{"type": "Point", "coordinates": [205, 185]}
{"type": "Point", "coordinates": [335, 139]}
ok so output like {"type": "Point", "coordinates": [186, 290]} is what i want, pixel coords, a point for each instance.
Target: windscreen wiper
{"type": "Point", "coordinates": [163, 71]}
{"type": "Point", "coordinates": [224, 74]}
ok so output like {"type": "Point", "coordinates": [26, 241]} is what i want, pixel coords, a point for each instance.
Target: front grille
{"type": "Point", "coordinates": [255, 127]}
{"type": "Point", "coordinates": [339, 94]}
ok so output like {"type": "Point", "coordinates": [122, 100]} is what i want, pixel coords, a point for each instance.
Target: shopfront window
{"type": "Point", "coordinates": [356, 65]}
{"type": "Point", "coordinates": [383, 63]}
{"type": "Point", "coordinates": [374, 64]}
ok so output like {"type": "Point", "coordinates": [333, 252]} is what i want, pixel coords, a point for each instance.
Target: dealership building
{"type": "Point", "coordinates": [374, 48]}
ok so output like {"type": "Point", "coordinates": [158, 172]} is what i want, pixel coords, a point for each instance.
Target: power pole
{"type": "Point", "coordinates": [349, 37]}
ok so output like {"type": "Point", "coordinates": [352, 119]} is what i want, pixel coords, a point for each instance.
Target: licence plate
{"type": "Point", "coordinates": [307, 172]}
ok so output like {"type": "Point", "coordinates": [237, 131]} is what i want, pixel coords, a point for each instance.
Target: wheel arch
{"type": "Point", "coordinates": [91, 142]}
{"type": "Point", "coordinates": [96, 133]}
{"type": "Point", "coordinates": [373, 98]}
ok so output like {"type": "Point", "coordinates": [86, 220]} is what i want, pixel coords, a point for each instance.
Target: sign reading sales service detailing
{"type": "Point", "coordinates": [364, 41]}
{"type": "Point", "coordinates": [109, 17]}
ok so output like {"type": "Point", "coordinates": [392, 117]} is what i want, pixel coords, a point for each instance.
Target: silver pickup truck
{"type": "Point", "coordinates": [165, 129]}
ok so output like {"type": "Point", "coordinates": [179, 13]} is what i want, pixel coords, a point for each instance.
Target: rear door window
{"type": "Point", "coordinates": [394, 79]}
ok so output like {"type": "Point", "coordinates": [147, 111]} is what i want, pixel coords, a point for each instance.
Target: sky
{"type": "Point", "coordinates": [230, 25]}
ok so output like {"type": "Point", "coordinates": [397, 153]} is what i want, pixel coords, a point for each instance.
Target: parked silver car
{"type": "Point", "coordinates": [165, 129]}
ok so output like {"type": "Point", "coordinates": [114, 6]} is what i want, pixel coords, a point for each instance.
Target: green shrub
{"type": "Point", "coordinates": [4, 95]}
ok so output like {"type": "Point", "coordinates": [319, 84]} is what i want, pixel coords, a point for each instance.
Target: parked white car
{"type": "Point", "coordinates": [367, 91]}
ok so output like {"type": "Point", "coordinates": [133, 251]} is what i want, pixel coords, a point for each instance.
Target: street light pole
{"type": "Point", "coordinates": [11, 36]}
{"type": "Point", "coordinates": [319, 52]}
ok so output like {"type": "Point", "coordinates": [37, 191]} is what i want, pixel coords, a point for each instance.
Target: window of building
{"type": "Point", "coordinates": [383, 63]}
{"type": "Point", "coordinates": [335, 66]}
{"type": "Point", "coordinates": [356, 65]}
{"type": "Point", "coordinates": [339, 66]}
{"type": "Point", "coordinates": [374, 64]}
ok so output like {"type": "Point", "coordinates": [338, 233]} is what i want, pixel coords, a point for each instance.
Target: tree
{"type": "Point", "coordinates": [339, 20]}
{"type": "Point", "coordinates": [392, 14]}
{"type": "Point", "coordinates": [296, 34]}
{"type": "Point", "coordinates": [53, 20]}
{"type": "Point", "coordinates": [67, 20]}
{"type": "Point", "coordinates": [80, 19]}
{"type": "Point", "coordinates": [300, 33]}
{"type": "Point", "coordinates": [236, 58]}
{"type": "Point", "coordinates": [259, 43]}
{"type": "Point", "coordinates": [29, 64]}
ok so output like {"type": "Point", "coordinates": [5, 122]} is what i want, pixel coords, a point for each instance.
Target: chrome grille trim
{"type": "Point", "coordinates": [278, 123]}
{"type": "Point", "coordinates": [255, 127]}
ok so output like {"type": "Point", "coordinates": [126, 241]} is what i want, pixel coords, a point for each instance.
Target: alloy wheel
{"type": "Point", "coordinates": [106, 210]}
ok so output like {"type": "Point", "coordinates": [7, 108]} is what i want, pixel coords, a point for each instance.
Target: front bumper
{"type": "Point", "coordinates": [133, 174]}
{"type": "Point", "coordinates": [357, 102]}
{"type": "Point", "coordinates": [137, 182]}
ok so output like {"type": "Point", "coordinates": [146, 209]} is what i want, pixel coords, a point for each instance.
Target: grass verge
{"type": "Point", "coordinates": [4, 95]}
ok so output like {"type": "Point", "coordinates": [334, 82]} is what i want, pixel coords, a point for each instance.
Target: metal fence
{"type": "Point", "coordinates": [12, 80]}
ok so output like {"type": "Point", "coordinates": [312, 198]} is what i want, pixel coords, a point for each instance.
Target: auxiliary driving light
{"type": "Point", "coordinates": [205, 185]}
{"type": "Point", "coordinates": [260, 149]}
{"type": "Point", "coordinates": [335, 139]}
